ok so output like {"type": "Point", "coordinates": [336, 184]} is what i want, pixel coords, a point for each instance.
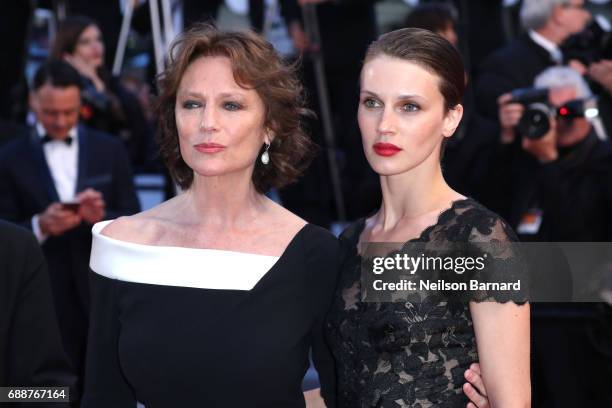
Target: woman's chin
{"type": "Point", "coordinates": [97, 63]}
{"type": "Point", "coordinates": [211, 172]}
{"type": "Point", "coordinates": [388, 169]}
{"type": "Point", "coordinates": [220, 170]}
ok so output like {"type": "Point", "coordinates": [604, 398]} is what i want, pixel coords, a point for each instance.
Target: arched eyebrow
{"type": "Point", "coordinates": [192, 94]}
{"type": "Point", "coordinates": [199, 95]}
{"type": "Point", "coordinates": [410, 96]}
{"type": "Point", "coordinates": [400, 97]}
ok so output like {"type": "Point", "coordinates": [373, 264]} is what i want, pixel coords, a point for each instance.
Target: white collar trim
{"type": "Point", "coordinates": [176, 266]}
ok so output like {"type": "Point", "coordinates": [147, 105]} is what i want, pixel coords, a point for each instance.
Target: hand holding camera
{"type": "Point", "coordinates": [544, 148]}
{"type": "Point", "coordinates": [510, 114]}
{"type": "Point", "coordinates": [528, 111]}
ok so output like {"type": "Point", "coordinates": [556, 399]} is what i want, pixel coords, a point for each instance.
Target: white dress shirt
{"type": "Point", "coordinates": [63, 161]}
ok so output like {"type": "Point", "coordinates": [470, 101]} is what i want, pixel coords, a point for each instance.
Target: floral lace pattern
{"type": "Point", "coordinates": [410, 353]}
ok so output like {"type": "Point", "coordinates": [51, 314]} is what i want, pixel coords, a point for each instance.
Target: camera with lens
{"type": "Point", "coordinates": [535, 122]}
{"type": "Point", "coordinates": [592, 44]}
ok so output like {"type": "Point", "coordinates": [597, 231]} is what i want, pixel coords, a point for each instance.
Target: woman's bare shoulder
{"type": "Point", "coordinates": [145, 227]}
{"type": "Point", "coordinates": [286, 220]}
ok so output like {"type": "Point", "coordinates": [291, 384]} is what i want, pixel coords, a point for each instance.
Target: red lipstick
{"type": "Point", "coordinates": [386, 149]}
{"type": "Point", "coordinates": [209, 147]}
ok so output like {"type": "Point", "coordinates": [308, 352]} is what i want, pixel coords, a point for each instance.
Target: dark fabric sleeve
{"type": "Point", "coordinates": [498, 179]}
{"type": "Point", "coordinates": [567, 208]}
{"type": "Point", "coordinates": [491, 84]}
{"type": "Point", "coordinates": [558, 202]}
{"type": "Point", "coordinates": [608, 202]}
{"type": "Point", "coordinates": [125, 200]}
{"type": "Point", "coordinates": [35, 356]}
{"type": "Point", "coordinates": [324, 263]}
{"type": "Point", "coordinates": [10, 210]}
{"type": "Point", "coordinates": [105, 384]}
{"type": "Point", "coordinates": [467, 161]}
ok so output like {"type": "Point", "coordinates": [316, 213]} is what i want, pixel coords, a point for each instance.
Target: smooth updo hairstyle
{"type": "Point", "coordinates": [431, 52]}
{"type": "Point", "coordinates": [256, 66]}
{"type": "Point", "coordinates": [68, 34]}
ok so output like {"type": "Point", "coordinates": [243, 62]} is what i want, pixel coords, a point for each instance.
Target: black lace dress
{"type": "Point", "coordinates": [409, 353]}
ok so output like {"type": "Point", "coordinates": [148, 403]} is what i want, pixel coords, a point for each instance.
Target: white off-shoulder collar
{"type": "Point", "coordinates": [176, 266]}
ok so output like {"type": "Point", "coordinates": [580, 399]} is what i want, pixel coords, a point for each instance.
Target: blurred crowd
{"type": "Point", "coordinates": [533, 145]}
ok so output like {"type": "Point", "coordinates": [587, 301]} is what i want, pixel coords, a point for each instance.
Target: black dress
{"type": "Point", "coordinates": [173, 327]}
{"type": "Point", "coordinates": [413, 353]}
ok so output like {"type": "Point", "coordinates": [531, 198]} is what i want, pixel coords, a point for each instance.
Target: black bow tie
{"type": "Point", "coordinates": [47, 138]}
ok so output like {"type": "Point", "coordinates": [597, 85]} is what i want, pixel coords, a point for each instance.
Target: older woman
{"type": "Point", "coordinates": [215, 297]}
{"type": "Point", "coordinates": [414, 352]}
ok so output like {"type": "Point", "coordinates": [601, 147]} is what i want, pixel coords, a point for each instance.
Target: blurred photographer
{"type": "Point", "coordinates": [555, 176]}
{"type": "Point", "coordinates": [590, 53]}
{"type": "Point", "coordinates": [559, 172]}
{"type": "Point", "coordinates": [548, 23]}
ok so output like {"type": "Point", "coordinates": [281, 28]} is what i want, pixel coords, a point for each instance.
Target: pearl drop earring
{"type": "Point", "coordinates": [265, 156]}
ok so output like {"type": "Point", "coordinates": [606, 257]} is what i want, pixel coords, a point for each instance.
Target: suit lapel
{"type": "Point", "coordinates": [42, 167]}
{"type": "Point", "coordinates": [541, 51]}
{"type": "Point", "coordinates": [82, 159]}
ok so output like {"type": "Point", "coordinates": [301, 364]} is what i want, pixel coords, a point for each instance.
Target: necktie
{"type": "Point", "coordinates": [47, 138]}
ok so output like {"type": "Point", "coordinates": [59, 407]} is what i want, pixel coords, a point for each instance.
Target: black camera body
{"type": "Point", "coordinates": [535, 122]}
{"type": "Point", "coordinates": [592, 44]}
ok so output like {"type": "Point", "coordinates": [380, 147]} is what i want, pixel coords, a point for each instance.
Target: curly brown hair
{"type": "Point", "coordinates": [257, 66]}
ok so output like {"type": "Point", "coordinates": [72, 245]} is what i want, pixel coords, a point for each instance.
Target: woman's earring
{"type": "Point", "coordinates": [265, 156]}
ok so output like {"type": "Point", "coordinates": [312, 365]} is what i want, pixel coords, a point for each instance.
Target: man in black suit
{"type": "Point", "coordinates": [548, 24]}
{"type": "Point", "coordinates": [31, 352]}
{"type": "Point", "coordinates": [58, 180]}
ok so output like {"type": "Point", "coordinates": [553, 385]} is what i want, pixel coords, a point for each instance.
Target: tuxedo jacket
{"type": "Point", "coordinates": [27, 188]}
{"type": "Point", "coordinates": [514, 66]}
{"type": "Point", "coordinates": [31, 352]}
